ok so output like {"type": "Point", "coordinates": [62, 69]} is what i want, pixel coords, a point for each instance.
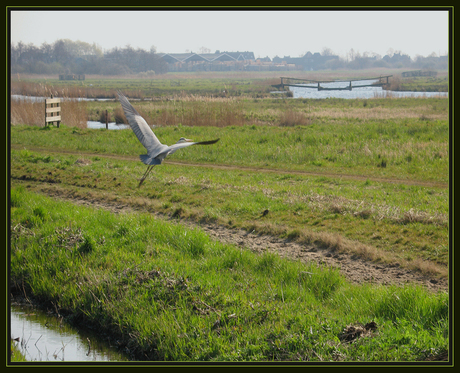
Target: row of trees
{"type": "Point", "coordinates": [67, 56]}
{"type": "Point", "coordinates": [77, 57]}
{"type": "Point", "coordinates": [394, 59]}
{"type": "Point", "coordinates": [355, 60]}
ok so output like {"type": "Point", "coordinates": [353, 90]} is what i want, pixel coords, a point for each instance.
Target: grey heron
{"type": "Point", "coordinates": [156, 151]}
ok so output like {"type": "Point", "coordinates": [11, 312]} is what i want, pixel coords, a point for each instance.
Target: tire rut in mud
{"type": "Point", "coordinates": [356, 269]}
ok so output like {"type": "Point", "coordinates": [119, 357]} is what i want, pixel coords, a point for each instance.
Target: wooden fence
{"type": "Point", "coordinates": [53, 111]}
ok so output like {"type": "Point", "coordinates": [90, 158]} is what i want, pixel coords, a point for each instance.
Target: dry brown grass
{"type": "Point", "coordinates": [359, 208]}
{"type": "Point", "coordinates": [27, 112]}
{"type": "Point", "coordinates": [339, 244]}
{"type": "Point", "coordinates": [45, 90]}
{"type": "Point", "coordinates": [378, 113]}
{"type": "Point", "coordinates": [291, 118]}
{"type": "Point", "coordinates": [73, 113]}
{"type": "Point", "coordinates": [196, 110]}
{"type": "Point", "coordinates": [395, 84]}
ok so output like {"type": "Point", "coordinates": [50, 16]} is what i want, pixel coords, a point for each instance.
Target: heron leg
{"type": "Point", "coordinates": [149, 168]}
{"type": "Point", "coordinates": [146, 172]}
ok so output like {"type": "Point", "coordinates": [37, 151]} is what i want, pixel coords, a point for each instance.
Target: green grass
{"type": "Point", "coordinates": [411, 149]}
{"type": "Point", "coordinates": [16, 355]}
{"type": "Point", "coordinates": [235, 84]}
{"type": "Point", "coordinates": [385, 221]}
{"type": "Point", "coordinates": [425, 84]}
{"type": "Point", "coordinates": [215, 84]}
{"type": "Point", "coordinates": [171, 293]}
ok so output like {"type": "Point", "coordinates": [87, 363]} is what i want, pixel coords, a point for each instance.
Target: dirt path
{"type": "Point", "coordinates": [243, 168]}
{"type": "Point", "coordinates": [355, 269]}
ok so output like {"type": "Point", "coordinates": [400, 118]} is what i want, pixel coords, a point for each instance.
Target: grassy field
{"type": "Point", "coordinates": [365, 178]}
{"type": "Point", "coordinates": [210, 84]}
{"type": "Point", "coordinates": [381, 182]}
{"type": "Point", "coordinates": [162, 86]}
{"type": "Point", "coordinates": [191, 110]}
{"type": "Point", "coordinates": [171, 294]}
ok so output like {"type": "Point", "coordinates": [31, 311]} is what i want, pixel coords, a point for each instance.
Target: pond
{"type": "Point", "coordinates": [43, 337]}
{"type": "Point", "coordinates": [111, 125]}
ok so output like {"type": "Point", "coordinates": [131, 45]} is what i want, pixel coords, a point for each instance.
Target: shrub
{"type": "Point", "coordinates": [291, 118]}
{"type": "Point", "coordinates": [120, 116]}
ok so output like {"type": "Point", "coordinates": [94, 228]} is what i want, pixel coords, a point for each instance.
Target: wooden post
{"type": "Point", "coordinates": [106, 120]}
{"type": "Point", "coordinates": [350, 86]}
{"type": "Point", "coordinates": [53, 111]}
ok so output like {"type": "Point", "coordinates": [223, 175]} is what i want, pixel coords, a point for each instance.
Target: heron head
{"type": "Point", "coordinates": [183, 139]}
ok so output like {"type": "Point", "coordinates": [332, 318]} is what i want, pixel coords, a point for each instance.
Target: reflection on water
{"type": "Point", "coordinates": [356, 92]}
{"type": "Point", "coordinates": [43, 337]}
{"type": "Point", "coordinates": [111, 125]}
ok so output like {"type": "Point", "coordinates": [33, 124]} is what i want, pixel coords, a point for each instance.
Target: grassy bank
{"type": "Point", "coordinates": [16, 355]}
{"type": "Point", "coordinates": [170, 293]}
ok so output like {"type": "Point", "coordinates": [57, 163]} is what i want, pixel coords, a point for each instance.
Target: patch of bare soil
{"type": "Point", "coordinates": [354, 268]}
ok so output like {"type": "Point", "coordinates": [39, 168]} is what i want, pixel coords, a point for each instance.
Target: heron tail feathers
{"type": "Point", "coordinates": [146, 159]}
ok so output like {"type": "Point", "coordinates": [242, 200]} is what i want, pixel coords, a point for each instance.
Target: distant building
{"type": "Point", "coordinates": [242, 61]}
{"type": "Point", "coordinates": [205, 61]}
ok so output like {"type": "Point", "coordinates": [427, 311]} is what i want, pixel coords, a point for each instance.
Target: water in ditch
{"type": "Point", "coordinates": [43, 337]}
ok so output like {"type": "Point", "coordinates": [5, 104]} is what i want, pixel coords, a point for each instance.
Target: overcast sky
{"type": "Point", "coordinates": [266, 33]}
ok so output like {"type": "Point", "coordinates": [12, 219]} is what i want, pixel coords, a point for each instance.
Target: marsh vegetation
{"type": "Point", "coordinates": [365, 178]}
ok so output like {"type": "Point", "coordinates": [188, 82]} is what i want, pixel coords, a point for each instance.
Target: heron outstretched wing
{"type": "Point", "coordinates": [141, 129]}
{"type": "Point", "coordinates": [181, 145]}
{"type": "Point", "coordinates": [172, 148]}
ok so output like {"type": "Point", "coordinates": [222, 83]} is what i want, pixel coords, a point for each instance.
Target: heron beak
{"type": "Point", "coordinates": [188, 140]}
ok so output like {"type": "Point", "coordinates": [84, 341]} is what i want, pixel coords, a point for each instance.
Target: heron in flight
{"type": "Point", "coordinates": [156, 151]}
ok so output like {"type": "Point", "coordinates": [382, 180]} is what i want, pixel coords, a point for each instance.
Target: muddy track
{"type": "Point", "coordinates": [242, 168]}
{"type": "Point", "coordinates": [354, 268]}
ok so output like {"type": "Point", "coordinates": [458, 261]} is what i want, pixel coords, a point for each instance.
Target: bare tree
{"type": "Point", "coordinates": [327, 52]}
{"type": "Point", "coordinates": [204, 50]}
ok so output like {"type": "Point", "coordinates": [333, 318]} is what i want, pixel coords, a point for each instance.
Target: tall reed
{"type": "Point", "coordinates": [27, 112]}
{"type": "Point", "coordinates": [73, 113]}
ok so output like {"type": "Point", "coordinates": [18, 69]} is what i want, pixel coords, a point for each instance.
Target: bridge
{"type": "Point", "coordinates": [380, 81]}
